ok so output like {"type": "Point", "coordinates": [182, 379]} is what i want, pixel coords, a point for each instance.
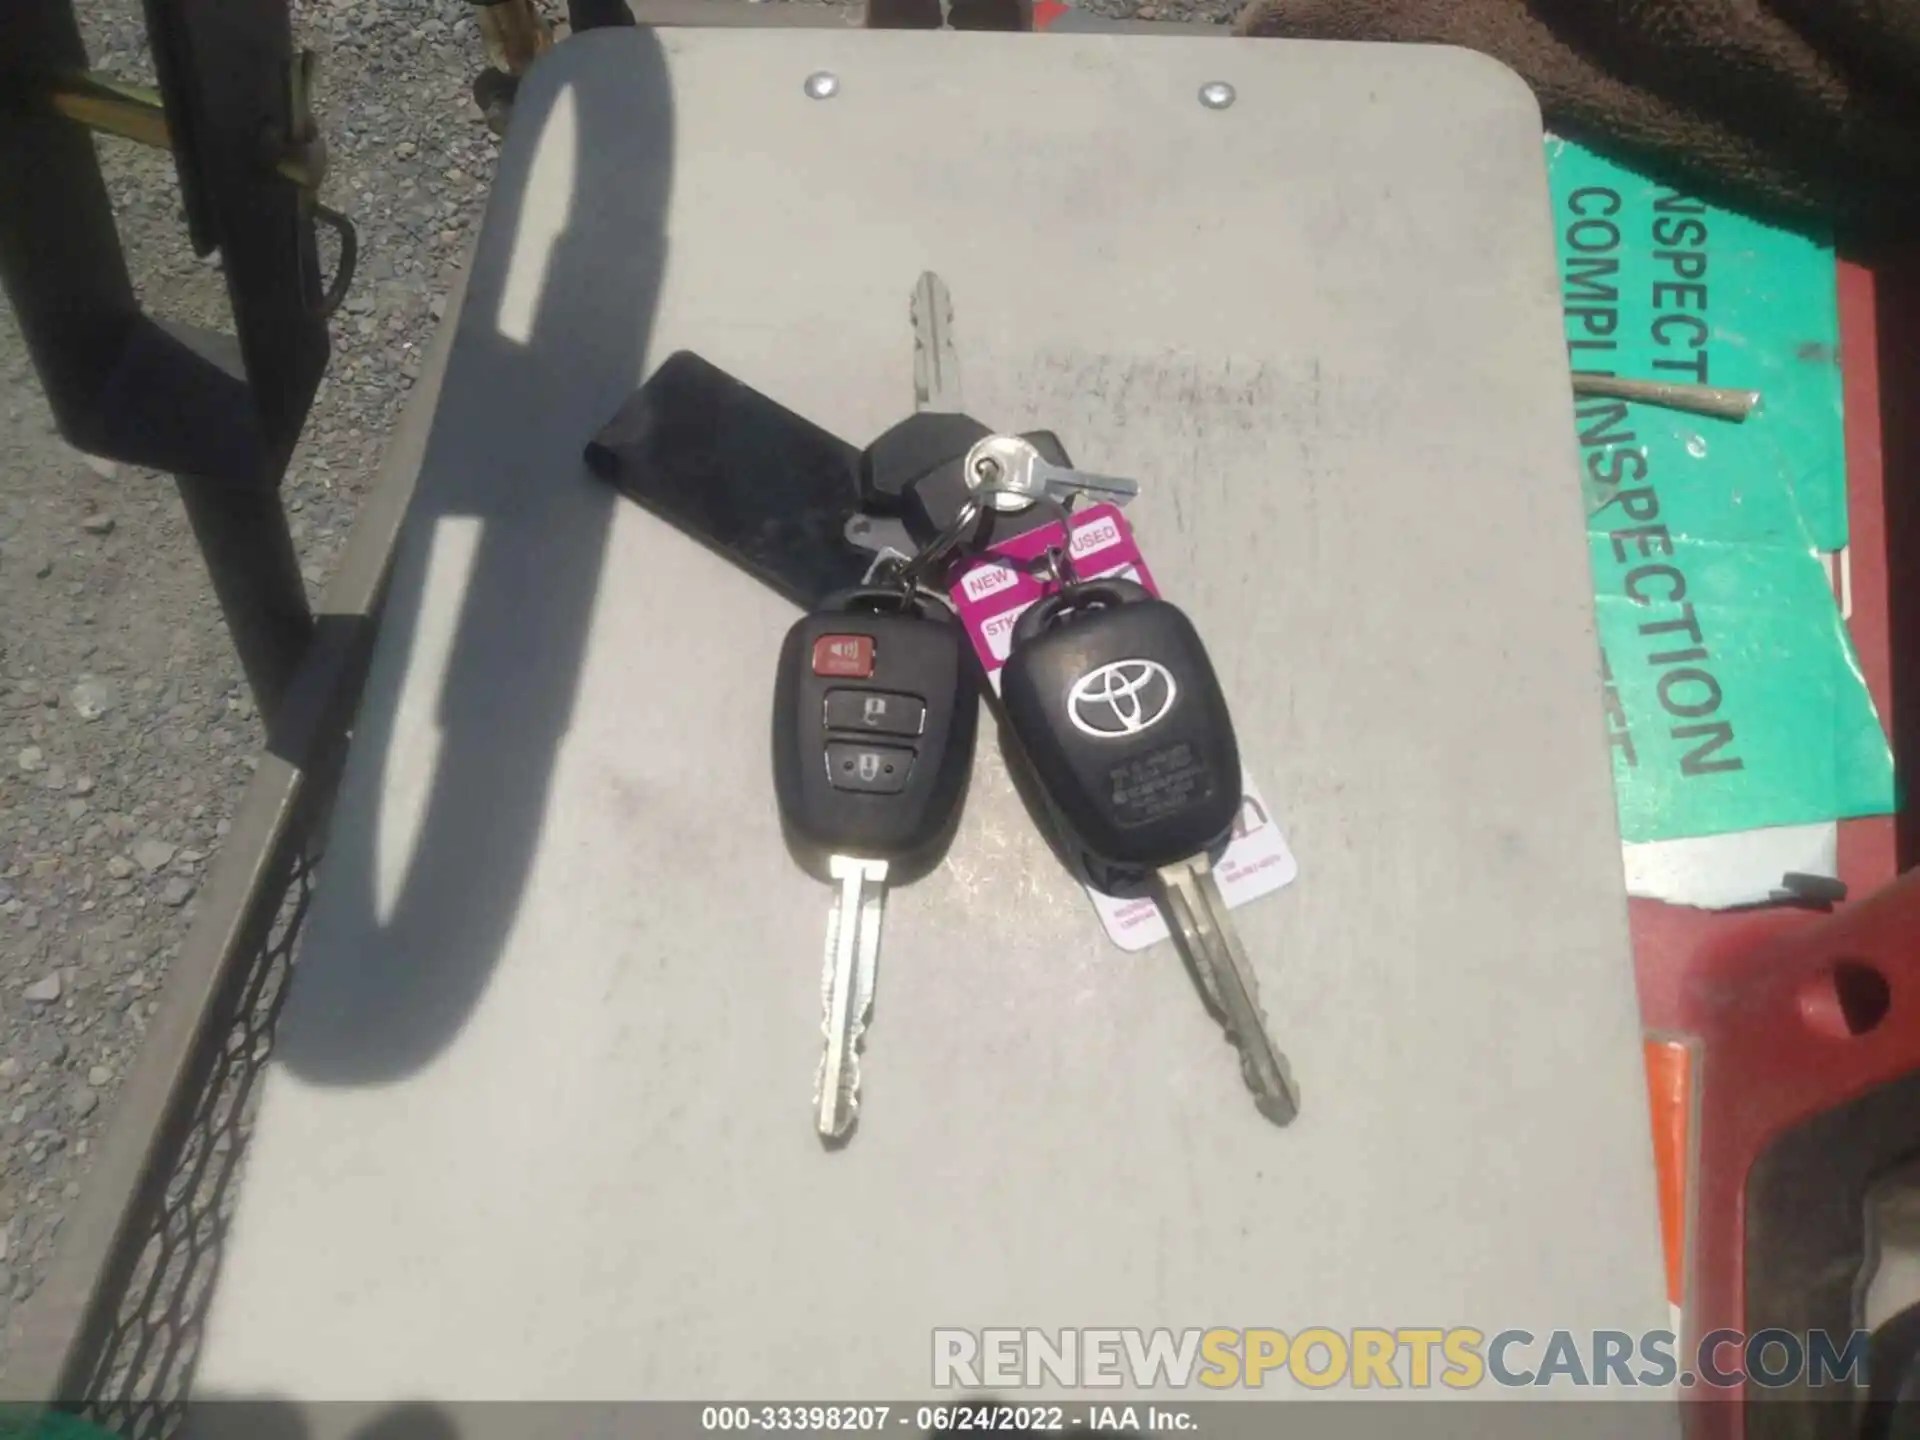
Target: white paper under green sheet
{"type": "Point", "coordinates": [1734, 697]}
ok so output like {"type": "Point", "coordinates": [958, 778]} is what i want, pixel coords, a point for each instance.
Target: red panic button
{"type": "Point", "coordinates": [844, 657]}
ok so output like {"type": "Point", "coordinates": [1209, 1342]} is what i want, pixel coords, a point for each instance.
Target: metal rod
{"type": "Point", "coordinates": [1694, 399]}
{"type": "Point", "coordinates": [134, 112]}
{"type": "Point", "coordinates": [243, 534]}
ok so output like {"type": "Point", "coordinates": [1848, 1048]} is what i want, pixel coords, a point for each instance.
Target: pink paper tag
{"type": "Point", "coordinates": [991, 593]}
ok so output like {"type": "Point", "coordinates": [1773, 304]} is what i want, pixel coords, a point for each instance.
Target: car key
{"type": "Point", "coordinates": [916, 478]}
{"type": "Point", "coordinates": [1114, 702]}
{"type": "Point", "coordinates": [1015, 474]}
{"type": "Point", "coordinates": [874, 716]}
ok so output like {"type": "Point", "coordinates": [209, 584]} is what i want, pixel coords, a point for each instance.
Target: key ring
{"type": "Point", "coordinates": [966, 520]}
{"type": "Point", "coordinates": [1056, 566]}
{"type": "Point", "coordinates": [1059, 558]}
{"type": "Point", "coordinates": [1059, 569]}
{"type": "Point", "coordinates": [892, 572]}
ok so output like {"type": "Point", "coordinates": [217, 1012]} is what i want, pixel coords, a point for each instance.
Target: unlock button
{"type": "Point", "coordinates": [879, 711]}
{"type": "Point", "coordinates": [873, 769]}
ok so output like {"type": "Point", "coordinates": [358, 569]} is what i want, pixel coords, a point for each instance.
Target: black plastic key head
{"type": "Point", "coordinates": [1115, 704]}
{"type": "Point", "coordinates": [916, 471]}
{"type": "Point", "coordinates": [874, 715]}
{"type": "Point", "coordinates": [907, 452]}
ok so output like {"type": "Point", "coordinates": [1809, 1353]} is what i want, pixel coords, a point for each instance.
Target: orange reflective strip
{"type": "Point", "coordinates": [1670, 1092]}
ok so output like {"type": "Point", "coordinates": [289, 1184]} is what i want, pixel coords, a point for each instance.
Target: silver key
{"type": "Point", "coordinates": [936, 361]}
{"type": "Point", "coordinates": [1197, 914]}
{"type": "Point", "coordinates": [846, 988]}
{"type": "Point", "coordinates": [1016, 472]}
{"type": "Point", "coordinates": [1017, 475]}
{"type": "Point", "coordinates": [936, 386]}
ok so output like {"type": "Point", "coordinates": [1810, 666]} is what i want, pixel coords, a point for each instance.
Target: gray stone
{"type": "Point", "coordinates": [43, 991]}
{"type": "Point", "coordinates": [32, 758]}
{"type": "Point", "coordinates": [97, 524]}
{"type": "Point", "coordinates": [83, 784]}
{"type": "Point", "coordinates": [176, 892]}
{"type": "Point", "coordinates": [91, 698]}
{"type": "Point", "coordinates": [99, 1077]}
{"type": "Point", "coordinates": [119, 867]}
{"type": "Point", "coordinates": [83, 1100]}
{"type": "Point", "coordinates": [151, 853]}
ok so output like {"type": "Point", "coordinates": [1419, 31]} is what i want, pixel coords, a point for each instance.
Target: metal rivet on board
{"type": "Point", "coordinates": [822, 85]}
{"type": "Point", "coordinates": [1216, 95]}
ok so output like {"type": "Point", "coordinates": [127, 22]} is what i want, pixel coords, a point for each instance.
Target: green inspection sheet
{"type": "Point", "coordinates": [1734, 698]}
{"type": "Point", "coordinates": [27, 1424]}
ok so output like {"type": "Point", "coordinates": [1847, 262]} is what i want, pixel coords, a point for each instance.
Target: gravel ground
{"type": "Point", "coordinates": [126, 733]}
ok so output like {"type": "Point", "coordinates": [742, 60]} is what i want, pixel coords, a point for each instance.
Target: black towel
{"type": "Point", "coordinates": [1803, 110]}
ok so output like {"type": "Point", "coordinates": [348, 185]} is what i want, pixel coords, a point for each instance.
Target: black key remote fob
{"type": "Point", "coordinates": [875, 710]}
{"type": "Point", "coordinates": [1116, 705]}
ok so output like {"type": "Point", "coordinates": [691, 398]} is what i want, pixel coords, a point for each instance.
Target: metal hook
{"type": "Point", "coordinates": [1059, 558]}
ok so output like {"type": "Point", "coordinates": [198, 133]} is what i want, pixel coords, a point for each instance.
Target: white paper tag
{"type": "Point", "coordinates": [1256, 863]}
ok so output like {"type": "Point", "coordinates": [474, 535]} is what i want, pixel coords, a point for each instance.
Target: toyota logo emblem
{"type": "Point", "coordinates": [1122, 697]}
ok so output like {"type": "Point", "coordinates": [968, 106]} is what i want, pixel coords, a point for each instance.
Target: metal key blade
{"type": "Point", "coordinates": [846, 987]}
{"type": "Point", "coordinates": [936, 363]}
{"type": "Point", "coordinates": [1043, 477]}
{"type": "Point", "coordinates": [1197, 914]}
{"type": "Point", "coordinates": [936, 386]}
